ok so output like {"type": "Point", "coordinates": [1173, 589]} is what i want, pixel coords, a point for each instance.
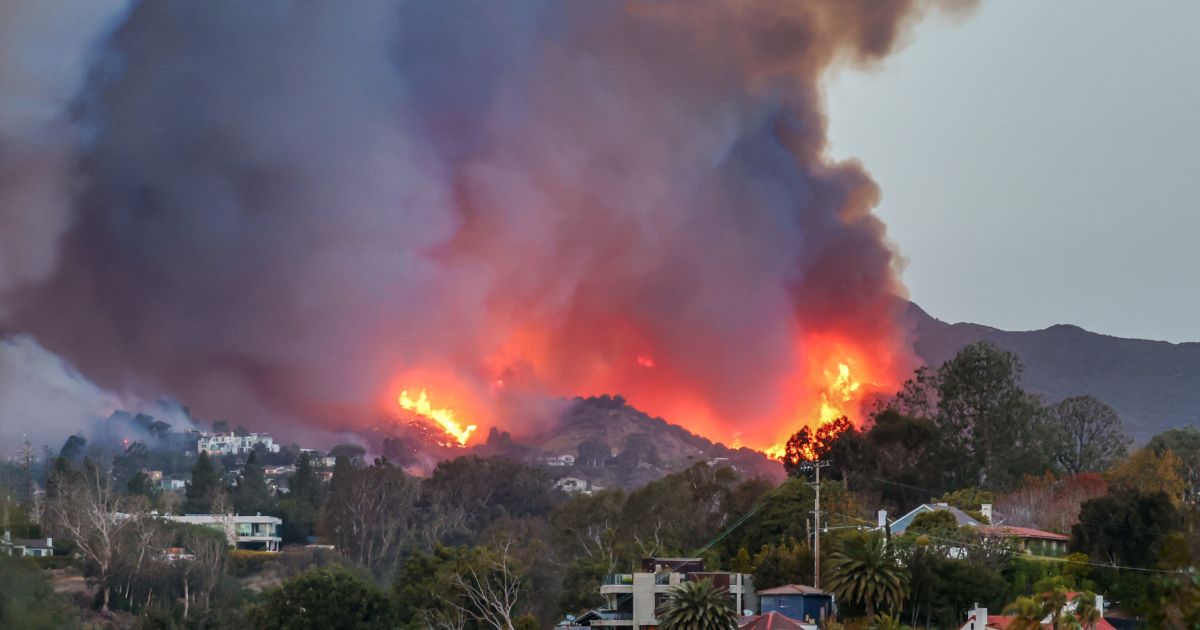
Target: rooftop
{"type": "Point", "coordinates": [793, 589]}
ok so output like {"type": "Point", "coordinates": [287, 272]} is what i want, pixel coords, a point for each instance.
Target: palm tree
{"type": "Point", "coordinates": [864, 571]}
{"type": "Point", "coordinates": [697, 606]}
{"type": "Point", "coordinates": [1027, 614]}
{"type": "Point", "coordinates": [1031, 611]}
{"type": "Point", "coordinates": [1086, 610]}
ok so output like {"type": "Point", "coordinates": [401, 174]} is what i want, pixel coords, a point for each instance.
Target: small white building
{"type": "Point", "coordinates": [244, 532]}
{"type": "Point", "coordinates": [171, 485]}
{"type": "Point", "coordinates": [574, 485]}
{"type": "Point", "coordinates": [33, 547]}
{"type": "Point", "coordinates": [559, 460]}
{"type": "Point", "coordinates": [234, 444]}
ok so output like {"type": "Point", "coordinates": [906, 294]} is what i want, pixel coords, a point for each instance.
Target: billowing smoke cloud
{"type": "Point", "coordinates": [290, 210]}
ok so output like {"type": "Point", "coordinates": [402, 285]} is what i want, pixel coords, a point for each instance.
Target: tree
{"type": "Point", "coordinates": [1086, 611]}
{"type": "Point", "coordinates": [252, 495]}
{"type": "Point", "coordinates": [370, 512]}
{"type": "Point", "coordinates": [305, 484]}
{"type": "Point", "coordinates": [593, 452]}
{"type": "Point", "coordinates": [809, 445]}
{"type": "Point", "coordinates": [1029, 612]}
{"type": "Point", "coordinates": [697, 605]}
{"type": "Point", "coordinates": [89, 512]}
{"type": "Point", "coordinates": [992, 431]}
{"type": "Point", "coordinates": [323, 598]}
{"type": "Point", "coordinates": [1091, 434]}
{"type": "Point", "coordinates": [864, 571]}
{"type": "Point", "coordinates": [1125, 529]}
{"type": "Point", "coordinates": [785, 563]}
{"type": "Point", "coordinates": [1185, 443]}
{"type": "Point", "coordinates": [203, 489]}
{"type": "Point", "coordinates": [1148, 472]}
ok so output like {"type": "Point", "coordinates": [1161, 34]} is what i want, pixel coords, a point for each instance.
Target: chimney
{"type": "Point", "coordinates": [1100, 604]}
{"type": "Point", "coordinates": [977, 618]}
{"type": "Point", "coordinates": [882, 516]}
{"type": "Point", "coordinates": [50, 544]}
{"type": "Point", "coordinates": [986, 508]}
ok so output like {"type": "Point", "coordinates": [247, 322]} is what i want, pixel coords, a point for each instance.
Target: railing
{"type": "Point", "coordinates": [618, 579]}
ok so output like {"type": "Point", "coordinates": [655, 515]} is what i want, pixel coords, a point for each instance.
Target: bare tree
{"type": "Point", "coordinates": [490, 589]}
{"type": "Point", "coordinates": [89, 512]}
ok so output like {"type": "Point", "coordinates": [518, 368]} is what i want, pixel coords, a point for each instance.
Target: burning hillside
{"type": "Point", "coordinates": [527, 204]}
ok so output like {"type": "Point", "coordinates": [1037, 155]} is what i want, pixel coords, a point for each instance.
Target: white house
{"type": "Point", "coordinates": [244, 532]}
{"type": "Point", "coordinates": [559, 460]}
{"type": "Point", "coordinates": [35, 547]}
{"type": "Point", "coordinates": [234, 444]}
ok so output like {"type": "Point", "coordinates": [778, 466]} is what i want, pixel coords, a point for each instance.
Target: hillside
{"type": "Point", "coordinates": [1154, 385]}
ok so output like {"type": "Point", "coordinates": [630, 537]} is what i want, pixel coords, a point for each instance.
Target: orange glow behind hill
{"type": "Point", "coordinates": [831, 378]}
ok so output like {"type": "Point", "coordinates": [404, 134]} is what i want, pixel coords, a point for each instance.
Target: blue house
{"type": "Point", "coordinates": [797, 601]}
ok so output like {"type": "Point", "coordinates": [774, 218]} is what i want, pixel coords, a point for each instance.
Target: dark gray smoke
{"type": "Point", "coordinates": [281, 211]}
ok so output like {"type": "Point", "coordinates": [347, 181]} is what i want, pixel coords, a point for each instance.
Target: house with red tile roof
{"type": "Point", "coordinates": [979, 619]}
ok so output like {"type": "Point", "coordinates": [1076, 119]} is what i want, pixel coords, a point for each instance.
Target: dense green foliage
{"type": "Point", "coordinates": [323, 598]}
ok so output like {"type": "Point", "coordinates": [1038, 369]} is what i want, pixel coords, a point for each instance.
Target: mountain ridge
{"type": "Point", "coordinates": [1154, 385]}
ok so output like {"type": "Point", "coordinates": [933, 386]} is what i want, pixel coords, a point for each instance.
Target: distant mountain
{"type": "Point", "coordinates": [1154, 385]}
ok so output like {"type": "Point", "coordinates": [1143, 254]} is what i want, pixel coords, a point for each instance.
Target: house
{"type": "Point", "coordinates": [634, 598]}
{"type": "Point", "coordinates": [243, 532]}
{"type": "Point", "coordinates": [900, 525]}
{"type": "Point", "coordinates": [574, 485]}
{"type": "Point", "coordinates": [559, 460]}
{"type": "Point", "coordinates": [1029, 540]}
{"type": "Point", "coordinates": [170, 485]}
{"type": "Point", "coordinates": [798, 602]}
{"type": "Point", "coordinates": [772, 621]}
{"type": "Point", "coordinates": [234, 444]}
{"type": "Point", "coordinates": [979, 619]}
{"type": "Point", "coordinates": [29, 547]}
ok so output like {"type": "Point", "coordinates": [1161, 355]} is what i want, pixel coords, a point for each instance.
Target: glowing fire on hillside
{"type": "Point", "coordinates": [443, 416]}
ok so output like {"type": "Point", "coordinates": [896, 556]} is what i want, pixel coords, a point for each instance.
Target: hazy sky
{"type": "Point", "coordinates": [1040, 163]}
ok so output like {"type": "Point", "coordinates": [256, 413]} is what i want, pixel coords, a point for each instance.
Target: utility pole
{"type": "Point", "coordinates": [816, 466]}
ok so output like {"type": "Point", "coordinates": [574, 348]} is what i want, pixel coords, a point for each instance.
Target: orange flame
{"type": "Point", "coordinates": [444, 417]}
{"type": "Point", "coordinates": [840, 390]}
{"type": "Point", "coordinates": [840, 393]}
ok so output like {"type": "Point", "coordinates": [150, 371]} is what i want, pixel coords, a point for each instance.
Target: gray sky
{"type": "Point", "coordinates": [1040, 163]}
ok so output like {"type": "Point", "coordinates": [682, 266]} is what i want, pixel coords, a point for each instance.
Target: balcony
{"type": "Point", "coordinates": [617, 583]}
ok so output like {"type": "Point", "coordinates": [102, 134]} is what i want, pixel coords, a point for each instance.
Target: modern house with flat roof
{"type": "Point", "coordinates": [31, 547]}
{"type": "Point", "coordinates": [634, 598]}
{"type": "Point", "coordinates": [244, 532]}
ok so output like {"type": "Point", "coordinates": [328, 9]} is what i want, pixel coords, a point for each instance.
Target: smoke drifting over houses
{"type": "Point", "coordinates": [288, 212]}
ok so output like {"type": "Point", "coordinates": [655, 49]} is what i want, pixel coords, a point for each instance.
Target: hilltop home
{"type": "Point", "coordinates": [234, 444]}
{"type": "Point", "coordinates": [634, 598]}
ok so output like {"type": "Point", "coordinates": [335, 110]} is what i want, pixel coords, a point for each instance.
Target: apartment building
{"type": "Point", "coordinates": [634, 598]}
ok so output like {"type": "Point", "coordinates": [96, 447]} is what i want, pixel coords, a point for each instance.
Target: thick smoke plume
{"type": "Point", "coordinates": [286, 212]}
